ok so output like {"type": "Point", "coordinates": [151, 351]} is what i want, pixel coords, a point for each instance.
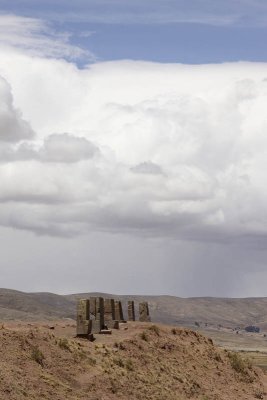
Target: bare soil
{"type": "Point", "coordinates": [139, 361]}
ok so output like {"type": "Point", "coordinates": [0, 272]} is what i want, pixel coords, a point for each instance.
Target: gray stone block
{"type": "Point", "coordinates": [83, 321]}
{"type": "Point", "coordinates": [109, 309]}
{"type": "Point", "coordinates": [118, 311]}
{"type": "Point", "coordinates": [131, 311]}
{"type": "Point", "coordinates": [144, 312]}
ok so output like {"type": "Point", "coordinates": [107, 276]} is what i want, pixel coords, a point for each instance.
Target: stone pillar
{"type": "Point", "coordinates": [92, 306]}
{"type": "Point", "coordinates": [144, 312]}
{"type": "Point", "coordinates": [109, 307]}
{"type": "Point", "coordinates": [118, 311]}
{"type": "Point", "coordinates": [98, 323]}
{"type": "Point", "coordinates": [83, 318]}
{"type": "Point", "coordinates": [131, 311]}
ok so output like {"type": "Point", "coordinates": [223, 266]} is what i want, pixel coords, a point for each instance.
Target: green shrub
{"type": "Point", "coordinates": [238, 364]}
{"type": "Point", "coordinates": [155, 329]}
{"type": "Point", "coordinates": [37, 356]}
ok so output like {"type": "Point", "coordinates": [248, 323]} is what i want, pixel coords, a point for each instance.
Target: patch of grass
{"type": "Point", "coordinates": [129, 365]}
{"type": "Point", "coordinates": [259, 394]}
{"type": "Point", "coordinates": [155, 329]}
{"type": "Point", "coordinates": [54, 381]}
{"type": "Point", "coordinates": [238, 364]}
{"type": "Point", "coordinates": [217, 357]}
{"type": "Point", "coordinates": [91, 361]}
{"type": "Point", "coordinates": [119, 361]}
{"type": "Point", "coordinates": [37, 356]}
{"type": "Point", "coordinates": [144, 336]}
{"type": "Point", "coordinates": [119, 345]}
{"type": "Point", "coordinates": [79, 355]}
{"type": "Point", "coordinates": [114, 386]}
{"type": "Point", "coordinates": [193, 389]}
{"type": "Point", "coordinates": [64, 344]}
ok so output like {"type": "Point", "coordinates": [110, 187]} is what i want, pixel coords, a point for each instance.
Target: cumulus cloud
{"type": "Point", "coordinates": [66, 148]}
{"type": "Point", "coordinates": [56, 148]}
{"type": "Point", "coordinates": [12, 127]}
{"type": "Point", "coordinates": [166, 150]}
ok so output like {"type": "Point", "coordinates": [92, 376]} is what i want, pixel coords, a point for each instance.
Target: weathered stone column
{"type": "Point", "coordinates": [144, 312]}
{"type": "Point", "coordinates": [109, 309]}
{"type": "Point", "coordinates": [131, 311]}
{"type": "Point", "coordinates": [118, 311]}
{"type": "Point", "coordinates": [83, 318]}
{"type": "Point", "coordinates": [98, 323]}
{"type": "Point", "coordinates": [92, 306]}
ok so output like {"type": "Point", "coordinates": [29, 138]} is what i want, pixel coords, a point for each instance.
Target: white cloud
{"type": "Point", "coordinates": [152, 149]}
{"type": "Point", "coordinates": [38, 38]}
{"type": "Point", "coordinates": [66, 148]}
{"type": "Point", "coordinates": [12, 127]}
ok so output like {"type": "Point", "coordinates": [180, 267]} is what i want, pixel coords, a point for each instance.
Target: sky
{"type": "Point", "coordinates": [133, 147]}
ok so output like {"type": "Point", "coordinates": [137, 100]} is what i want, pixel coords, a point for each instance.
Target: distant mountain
{"type": "Point", "coordinates": [229, 312]}
{"type": "Point", "coordinates": [32, 306]}
{"type": "Point", "coordinates": [166, 309]}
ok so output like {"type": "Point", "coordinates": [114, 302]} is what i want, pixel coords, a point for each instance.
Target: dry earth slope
{"type": "Point", "coordinates": [144, 361]}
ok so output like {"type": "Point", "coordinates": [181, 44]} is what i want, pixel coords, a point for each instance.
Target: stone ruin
{"type": "Point", "coordinates": [131, 311]}
{"type": "Point", "coordinates": [99, 315]}
{"type": "Point", "coordinates": [144, 312]}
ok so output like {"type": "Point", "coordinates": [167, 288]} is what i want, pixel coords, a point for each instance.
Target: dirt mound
{"type": "Point", "coordinates": [140, 361]}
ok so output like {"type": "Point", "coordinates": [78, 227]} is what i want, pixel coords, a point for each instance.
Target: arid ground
{"type": "Point", "coordinates": [139, 361]}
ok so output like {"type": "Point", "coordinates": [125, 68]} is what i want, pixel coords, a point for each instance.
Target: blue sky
{"type": "Point", "coordinates": [194, 32]}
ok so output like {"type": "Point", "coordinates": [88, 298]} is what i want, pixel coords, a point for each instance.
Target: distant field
{"type": "Point", "coordinates": [250, 346]}
{"type": "Point", "coordinates": [257, 358]}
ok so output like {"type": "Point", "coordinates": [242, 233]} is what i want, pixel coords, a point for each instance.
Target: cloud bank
{"type": "Point", "coordinates": [143, 148]}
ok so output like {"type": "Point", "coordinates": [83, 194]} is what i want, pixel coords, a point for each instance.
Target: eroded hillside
{"type": "Point", "coordinates": [140, 361]}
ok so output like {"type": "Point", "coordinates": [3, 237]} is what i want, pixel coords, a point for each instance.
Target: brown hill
{"type": "Point", "coordinates": [165, 309]}
{"type": "Point", "coordinates": [143, 361]}
{"type": "Point", "coordinates": [29, 306]}
{"type": "Point", "coordinates": [210, 310]}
